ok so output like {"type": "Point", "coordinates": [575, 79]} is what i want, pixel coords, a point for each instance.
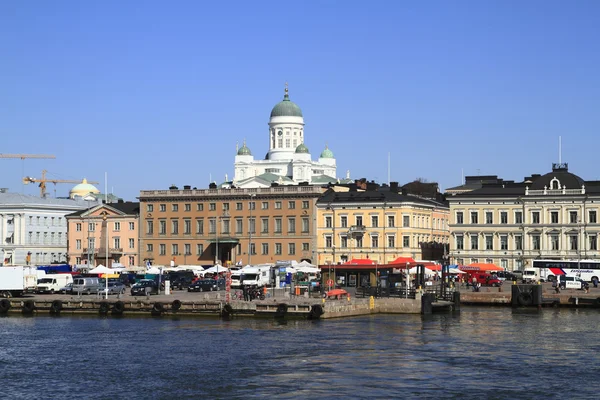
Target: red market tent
{"type": "Point", "coordinates": [359, 261]}
{"type": "Point", "coordinates": [403, 261]}
{"type": "Point", "coordinates": [484, 267]}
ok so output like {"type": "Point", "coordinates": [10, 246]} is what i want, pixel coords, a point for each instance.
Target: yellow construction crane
{"type": "Point", "coordinates": [42, 181]}
{"type": "Point", "coordinates": [24, 156]}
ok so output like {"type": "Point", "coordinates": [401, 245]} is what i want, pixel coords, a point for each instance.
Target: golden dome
{"type": "Point", "coordinates": [83, 189]}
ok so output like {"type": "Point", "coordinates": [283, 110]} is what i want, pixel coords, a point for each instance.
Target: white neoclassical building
{"type": "Point", "coordinates": [552, 216]}
{"type": "Point", "coordinates": [34, 229]}
{"type": "Point", "coordinates": [288, 161]}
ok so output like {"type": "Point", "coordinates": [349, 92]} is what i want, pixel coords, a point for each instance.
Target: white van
{"type": "Point", "coordinates": [258, 276]}
{"type": "Point", "coordinates": [530, 275]}
{"type": "Point", "coordinates": [52, 283]}
{"type": "Point", "coordinates": [236, 279]}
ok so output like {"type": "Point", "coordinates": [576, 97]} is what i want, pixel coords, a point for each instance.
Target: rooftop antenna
{"type": "Point", "coordinates": [560, 149]}
{"type": "Point", "coordinates": [462, 176]}
{"type": "Point", "coordinates": [389, 163]}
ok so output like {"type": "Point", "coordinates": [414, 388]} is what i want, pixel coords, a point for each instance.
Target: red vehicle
{"type": "Point", "coordinates": [336, 294]}
{"type": "Point", "coordinates": [484, 278]}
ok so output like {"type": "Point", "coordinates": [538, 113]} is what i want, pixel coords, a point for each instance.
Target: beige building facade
{"type": "Point", "coordinates": [106, 233]}
{"type": "Point", "coordinates": [228, 226]}
{"type": "Point", "coordinates": [551, 216]}
{"type": "Point", "coordinates": [380, 225]}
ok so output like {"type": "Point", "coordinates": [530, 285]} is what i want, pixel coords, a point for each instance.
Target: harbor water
{"type": "Point", "coordinates": [496, 353]}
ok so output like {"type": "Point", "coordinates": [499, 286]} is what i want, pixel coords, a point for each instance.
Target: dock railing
{"type": "Point", "coordinates": [401, 292]}
{"type": "Point", "coordinates": [379, 292]}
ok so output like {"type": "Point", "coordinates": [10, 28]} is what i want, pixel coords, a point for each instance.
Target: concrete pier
{"type": "Point", "coordinates": [197, 305]}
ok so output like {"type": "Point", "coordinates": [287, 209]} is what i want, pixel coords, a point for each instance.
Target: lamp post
{"type": "Point", "coordinates": [407, 278]}
{"type": "Point", "coordinates": [376, 273]}
{"type": "Point", "coordinates": [334, 264]}
{"type": "Point", "coordinates": [105, 218]}
{"type": "Point", "coordinates": [250, 206]}
{"type": "Point", "coordinates": [217, 240]}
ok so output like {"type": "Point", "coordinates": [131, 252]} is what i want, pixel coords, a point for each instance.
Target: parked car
{"type": "Point", "coordinates": [570, 282]}
{"type": "Point", "coordinates": [484, 278]}
{"type": "Point", "coordinates": [139, 288]}
{"type": "Point", "coordinates": [114, 287]}
{"type": "Point", "coordinates": [68, 289]}
{"type": "Point", "coordinates": [86, 285]}
{"type": "Point", "coordinates": [204, 285]}
{"type": "Point", "coordinates": [506, 276]}
{"type": "Point", "coordinates": [181, 282]}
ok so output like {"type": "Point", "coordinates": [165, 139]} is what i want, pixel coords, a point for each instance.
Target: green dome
{"type": "Point", "coordinates": [244, 151]}
{"type": "Point", "coordinates": [327, 153]}
{"type": "Point", "coordinates": [286, 108]}
{"type": "Point", "coordinates": [302, 149]}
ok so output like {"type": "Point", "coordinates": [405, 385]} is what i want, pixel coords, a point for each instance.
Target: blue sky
{"type": "Point", "coordinates": [159, 93]}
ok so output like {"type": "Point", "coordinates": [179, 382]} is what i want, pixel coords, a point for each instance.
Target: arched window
{"type": "Point", "coordinates": [554, 184]}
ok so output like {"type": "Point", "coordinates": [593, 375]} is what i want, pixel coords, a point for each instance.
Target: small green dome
{"type": "Point", "coordinates": [302, 149]}
{"type": "Point", "coordinates": [244, 151]}
{"type": "Point", "coordinates": [327, 153]}
{"type": "Point", "coordinates": [286, 108]}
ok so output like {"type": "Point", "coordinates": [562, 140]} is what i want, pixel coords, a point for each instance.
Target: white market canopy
{"type": "Point", "coordinates": [308, 270]}
{"type": "Point", "coordinates": [216, 269]}
{"type": "Point", "coordinates": [428, 272]}
{"type": "Point", "coordinates": [101, 269]}
{"type": "Point", "coordinates": [153, 270]}
{"type": "Point", "coordinates": [304, 264]}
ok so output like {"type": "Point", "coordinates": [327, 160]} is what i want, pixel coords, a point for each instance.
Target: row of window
{"type": "Point", "coordinates": [44, 238]}
{"type": "Point", "coordinates": [131, 260]}
{"type": "Point", "coordinates": [417, 222]}
{"type": "Point", "coordinates": [92, 226]}
{"type": "Point", "coordinates": [278, 205]}
{"type": "Point", "coordinates": [47, 221]}
{"type": "Point", "coordinates": [536, 242]}
{"type": "Point", "coordinates": [265, 248]}
{"type": "Point", "coordinates": [391, 241]}
{"type": "Point", "coordinates": [92, 243]}
{"type": "Point", "coordinates": [552, 218]}
{"type": "Point", "coordinates": [225, 226]}
{"type": "Point", "coordinates": [503, 263]}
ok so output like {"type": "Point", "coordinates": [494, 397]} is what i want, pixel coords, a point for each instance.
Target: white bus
{"type": "Point", "coordinates": [584, 269]}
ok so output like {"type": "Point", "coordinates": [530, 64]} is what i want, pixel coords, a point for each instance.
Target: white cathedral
{"type": "Point", "coordinates": [288, 161]}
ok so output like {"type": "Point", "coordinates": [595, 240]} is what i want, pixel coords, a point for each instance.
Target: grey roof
{"type": "Point", "coordinates": [533, 182]}
{"type": "Point", "coordinates": [22, 199]}
{"type": "Point", "coordinates": [127, 208]}
{"type": "Point", "coordinates": [571, 181]}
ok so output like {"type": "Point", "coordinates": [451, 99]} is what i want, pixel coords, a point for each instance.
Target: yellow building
{"type": "Point", "coordinates": [380, 224]}
{"type": "Point", "coordinates": [104, 232]}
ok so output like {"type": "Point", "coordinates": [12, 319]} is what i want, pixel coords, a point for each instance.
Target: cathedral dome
{"type": "Point", "coordinates": [302, 149]}
{"type": "Point", "coordinates": [327, 153]}
{"type": "Point", "coordinates": [83, 189]}
{"type": "Point", "coordinates": [286, 107]}
{"type": "Point", "coordinates": [244, 151]}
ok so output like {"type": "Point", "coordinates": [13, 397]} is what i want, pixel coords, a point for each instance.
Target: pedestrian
{"type": "Point", "coordinates": [245, 292]}
{"type": "Point", "coordinates": [595, 281]}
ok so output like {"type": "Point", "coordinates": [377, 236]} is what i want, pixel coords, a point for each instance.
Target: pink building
{"type": "Point", "coordinates": [104, 234]}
